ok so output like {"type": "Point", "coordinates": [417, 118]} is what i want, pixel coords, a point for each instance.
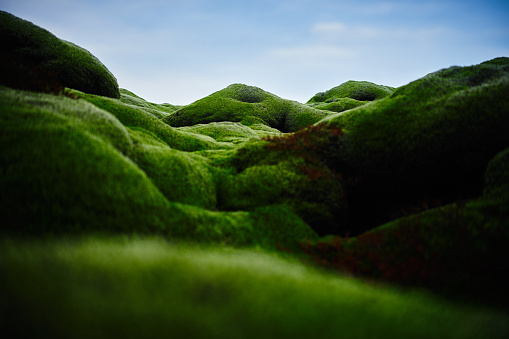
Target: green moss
{"type": "Point", "coordinates": [61, 171]}
{"type": "Point", "coordinates": [338, 105]}
{"type": "Point", "coordinates": [70, 167]}
{"type": "Point", "coordinates": [357, 90]}
{"type": "Point", "coordinates": [238, 102]}
{"type": "Point", "coordinates": [229, 132]}
{"type": "Point", "coordinates": [497, 177]}
{"type": "Point", "coordinates": [135, 117]}
{"type": "Point", "coordinates": [456, 250]}
{"type": "Point", "coordinates": [180, 176]}
{"type": "Point", "coordinates": [430, 140]}
{"type": "Point", "coordinates": [158, 110]}
{"type": "Point", "coordinates": [282, 179]}
{"type": "Point", "coordinates": [30, 53]}
{"type": "Point", "coordinates": [145, 288]}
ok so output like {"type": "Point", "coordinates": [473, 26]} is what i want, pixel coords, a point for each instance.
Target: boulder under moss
{"type": "Point", "coordinates": [356, 90]}
{"type": "Point", "coordinates": [69, 167]}
{"type": "Point", "coordinates": [34, 59]}
{"type": "Point", "coordinates": [429, 142]}
{"type": "Point", "coordinates": [124, 287]}
{"type": "Point", "coordinates": [458, 250]}
{"type": "Point", "coordinates": [238, 103]}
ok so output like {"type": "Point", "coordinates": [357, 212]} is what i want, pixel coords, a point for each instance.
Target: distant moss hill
{"type": "Point", "coordinates": [407, 185]}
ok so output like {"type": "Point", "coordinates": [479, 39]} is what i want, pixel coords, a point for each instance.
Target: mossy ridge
{"type": "Point", "coordinates": [29, 53]}
{"type": "Point", "coordinates": [356, 90]}
{"type": "Point", "coordinates": [158, 110]}
{"type": "Point", "coordinates": [70, 167]}
{"type": "Point", "coordinates": [181, 176]}
{"type": "Point", "coordinates": [295, 177]}
{"type": "Point", "coordinates": [135, 117]}
{"type": "Point", "coordinates": [338, 105]}
{"type": "Point", "coordinates": [458, 250]}
{"type": "Point", "coordinates": [238, 102]}
{"type": "Point", "coordinates": [225, 131]}
{"type": "Point", "coordinates": [61, 174]}
{"type": "Point", "coordinates": [147, 287]}
{"type": "Point", "coordinates": [430, 140]}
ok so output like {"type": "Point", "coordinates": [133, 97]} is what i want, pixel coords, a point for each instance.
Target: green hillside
{"type": "Point", "coordinates": [368, 211]}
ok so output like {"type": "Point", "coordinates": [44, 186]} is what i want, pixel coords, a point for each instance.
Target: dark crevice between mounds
{"type": "Point", "coordinates": [375, 196]}
{"type": "Point", "coordinates": [375, 201]}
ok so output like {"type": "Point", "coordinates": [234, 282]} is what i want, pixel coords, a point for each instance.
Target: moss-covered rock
{"type": "Point", "coordinates": [34, 59]}
{"type": "Point", "coordinates": [180, 176]}
{"type": "Point", "coordinates": [430, 141]}
{"type": "Point", "coordinates": [158, 110]}
{"type": "Point", "coordinates": [136, 117]}
{"type": "Point", "coordinates": [70, 167]}
{"type": "Point", "coordinates": [124, 287]}
{"type": "Point", "coordinates": [458, 250]}
{"type": "Point", "coordinates": [238, 103]}
{"type": "Point", "coordinates": [226, 132]}
{"type": "Point", "coordinates": [356, 90]}
{"type": "Point", "coordinates": [338, 105]}
{"type": "Point", "coordinates": [235, 169]}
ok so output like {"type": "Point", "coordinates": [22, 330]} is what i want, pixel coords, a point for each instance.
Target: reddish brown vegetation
{"type": "Point", "coordinates": [310, 144]}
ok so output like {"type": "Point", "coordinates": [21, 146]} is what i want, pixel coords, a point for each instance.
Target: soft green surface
{"type": "Point", "coordinates": [116, 288]}
{"type": "Point", "coordinates": [430, 140]}
{"type": "Point", "coordinates": [241, 103]}
{"type": "Point", "coordinates": [356, 90]}
{"type": "Point", "coordinates": [338, 105]}
{"type": "Point", "coordinates": [68, 166]}
{"type": "Point", "coordinates": [31, 56]}
{"type": "Point", "coordinates": [418, 177]}
{"type": "Point", "coordinates": [458, 250]}
{"type": "Point", "coordinates": [158, 110]}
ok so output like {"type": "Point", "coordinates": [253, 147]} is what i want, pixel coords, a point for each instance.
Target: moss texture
{"type": "Point", "coordinates": [458, 250]}
{"type": "Point", "coordinates": [431, 140]}
{"type": "Point", "coordinates": [417, 175]}
{"type": "Point", "coordinates": [338, 105]}
{"type": "Point", "coordinates": [33, 58]}
{"type": "Point", "coordinates": [148, 288]}
{"type": "Point", "coordinates": [70, 167]}
{"type": "Point", "coordinates": [238, 103]}
{"type": "Point", "coordinates": [356, 90]}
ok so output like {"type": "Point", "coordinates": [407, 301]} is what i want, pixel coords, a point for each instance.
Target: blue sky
{"type": "Point", "coordinates": [181, 51]}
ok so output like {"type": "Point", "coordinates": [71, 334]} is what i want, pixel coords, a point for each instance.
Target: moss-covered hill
{"type": "Point", "coordinates": [125, 217]}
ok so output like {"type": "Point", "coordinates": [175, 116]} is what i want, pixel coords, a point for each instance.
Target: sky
{"type": "Point", "coordinates": [180, 51]}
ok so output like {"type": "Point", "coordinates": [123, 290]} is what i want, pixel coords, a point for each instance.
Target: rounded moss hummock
{"type": "Point", "coordinates": [34, 59]}
{"type": "Point", "coordinates": [240, 103]}
{"type": "Point", "coordinates": [357, 90]}
{"type": "Point", "coordinates": [431, 140]}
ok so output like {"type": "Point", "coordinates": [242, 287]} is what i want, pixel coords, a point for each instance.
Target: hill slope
{"type": "Point", "coordinates": [405, 186]}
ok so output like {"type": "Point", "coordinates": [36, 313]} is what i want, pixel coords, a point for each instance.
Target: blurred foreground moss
{"type": "Point", "coordinates": [127, 287]}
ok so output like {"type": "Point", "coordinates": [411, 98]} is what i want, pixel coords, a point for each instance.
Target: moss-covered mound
{"type": "Point", "coordinates": [459, 250]}
{"type": "Point", "coordinates": [428, 143]}
{"type": "Point", "coordinates": [248, 105]}
{"type": "Point", "coordinates": [349, 95]}
{"type": "Point", "coordinates": [33, 58]}
{"type": "Point", "coordinates": [338, 105]}
{"type": "Point", "coordinates": [71, 167]}
{"type": "Point", "coordinates": [226, 171]}
{"type": "Point", "coordinates": [118, 288]}
{"type": "Point", "coordinates": [158, 110]}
